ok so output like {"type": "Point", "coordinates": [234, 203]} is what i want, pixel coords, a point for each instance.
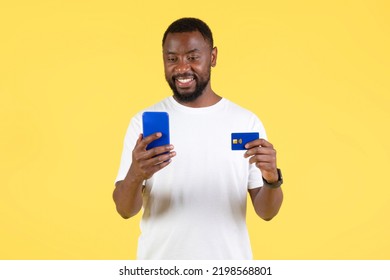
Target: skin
{"type": "Point", "coordinates": [265, 200]}
{"type": "Point", "coordinates": [188, 54]}
{"type": "Point", "coordinates": [128, 193]}
{"type": "Point", "coordinates": [188, 58]}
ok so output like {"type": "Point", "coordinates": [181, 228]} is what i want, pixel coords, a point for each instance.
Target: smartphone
{"type": "Point", "coordinates": [153, 122]}
{"type": "Point", "coordinates": [240, 139]}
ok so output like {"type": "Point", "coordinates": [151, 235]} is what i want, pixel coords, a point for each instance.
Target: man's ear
{"type": "Point", "coordinates": [214, 53]}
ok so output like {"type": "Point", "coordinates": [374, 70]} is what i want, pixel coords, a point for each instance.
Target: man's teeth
{"type": "Point", "coordinates": [181, 80]}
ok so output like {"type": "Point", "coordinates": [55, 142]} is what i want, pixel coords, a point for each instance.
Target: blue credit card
{"type": "Point", "coordinates": [240, 139]}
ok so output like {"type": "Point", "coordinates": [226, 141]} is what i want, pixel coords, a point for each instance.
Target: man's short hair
{"type": "Point", "coordinates": [189, 25]}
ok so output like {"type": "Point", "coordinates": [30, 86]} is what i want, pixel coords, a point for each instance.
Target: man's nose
{"type": "Point", "coordinates": [182, 67]}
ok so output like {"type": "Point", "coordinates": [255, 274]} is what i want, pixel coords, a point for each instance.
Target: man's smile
{"type": "Point", "coordinates": [184, 82]}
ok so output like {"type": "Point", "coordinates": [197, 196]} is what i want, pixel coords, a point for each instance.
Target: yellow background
{"type": "Point", "coordinates": [73, 73]}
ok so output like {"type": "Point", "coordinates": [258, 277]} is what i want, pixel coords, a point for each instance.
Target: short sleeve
{"type": "Point", "coordinates": [255, 178]}
{"type": "Point", "coordinates": [133, 131]}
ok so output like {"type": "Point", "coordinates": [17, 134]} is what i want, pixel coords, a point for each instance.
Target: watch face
{"type": "Point", "coordinates": [278, 183]}
{"type": "Point", "coordinates": [280, 175]}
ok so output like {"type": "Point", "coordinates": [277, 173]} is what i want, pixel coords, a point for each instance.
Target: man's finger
{"type": "Point", "coordinates": [159, 150]}
{"type": "Point", "coordinates": [139, 139]}
{"type": "Point", "coordinates": [262, 158]}
{"type": "Point", "coordinates": [257, 150]}
{"type": "Point", "coordinates": [145, 141]}
{"type": "Point", "coordinates": [258, 142]}
{"type": "Point", "coordinates": [152, 165]}
{"type": "Point", "coordinates": [162, 158]}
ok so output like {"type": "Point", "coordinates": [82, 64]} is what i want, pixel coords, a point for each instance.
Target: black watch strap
{"type": "Point", "coordinates": [276, 184]}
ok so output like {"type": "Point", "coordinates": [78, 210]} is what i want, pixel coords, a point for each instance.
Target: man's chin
{"type": "Point", "coordinates": [186, 97]}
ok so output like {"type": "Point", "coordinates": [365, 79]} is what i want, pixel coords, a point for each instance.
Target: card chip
{"type": "Point", "coordinates": [237, 141]}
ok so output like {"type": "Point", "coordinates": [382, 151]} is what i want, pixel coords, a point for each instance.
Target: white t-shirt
{"type": "Point", "coordinates": [195, 208]}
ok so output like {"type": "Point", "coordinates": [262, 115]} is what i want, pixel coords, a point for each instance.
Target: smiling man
{"type": "Point", "coordinates": [188, 58]}
{"type": "Point", "coordinates": [194, 194]}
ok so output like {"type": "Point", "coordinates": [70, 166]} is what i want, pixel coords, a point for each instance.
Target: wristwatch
{"type": "Point", "coordinates": [276, 184]}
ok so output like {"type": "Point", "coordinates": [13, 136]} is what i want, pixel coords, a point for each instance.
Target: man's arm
{"type": "Point", "coordinates": [266, 201]}
{"type": "Point", "coordinates": [128, 197]}
{"type": "Point", "coordinates": [128, 192]}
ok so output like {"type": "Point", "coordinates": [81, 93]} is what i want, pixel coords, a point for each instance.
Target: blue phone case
{"type": "Point", "coordinates": [239, 139]}
{"type": "Point", "coordinates": [153, 122]}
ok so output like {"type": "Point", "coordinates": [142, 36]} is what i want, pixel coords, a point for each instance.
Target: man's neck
{"type": "Point", "coordinates": [207, 99]}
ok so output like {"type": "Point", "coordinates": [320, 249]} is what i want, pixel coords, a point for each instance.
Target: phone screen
{"type": "Point", "coordinates": [153, 122]}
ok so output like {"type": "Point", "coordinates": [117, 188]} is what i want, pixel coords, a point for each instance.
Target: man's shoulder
{"type": "Point", "coordinates": [162, 105]}
{"type": "Point", "coordinates": [238, 109]}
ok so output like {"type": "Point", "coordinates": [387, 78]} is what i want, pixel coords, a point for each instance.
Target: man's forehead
{"type": "Point", "coordinates": [185, 41]}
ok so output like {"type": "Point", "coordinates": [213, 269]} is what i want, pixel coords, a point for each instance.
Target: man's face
{"type": "Point", "coordinates": [187, 62]}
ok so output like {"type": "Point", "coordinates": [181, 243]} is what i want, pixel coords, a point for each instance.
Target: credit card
{"type": "Point", "coordinates": [240, 139]}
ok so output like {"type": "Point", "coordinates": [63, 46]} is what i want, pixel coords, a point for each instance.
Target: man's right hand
{"type": "Point", "coordinates": [128, 192]}
{"type": "Point", "coordinates": [147, 162]}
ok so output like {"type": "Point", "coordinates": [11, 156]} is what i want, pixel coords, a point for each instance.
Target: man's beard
{"type": "Point", "coordinates": [191, 96]}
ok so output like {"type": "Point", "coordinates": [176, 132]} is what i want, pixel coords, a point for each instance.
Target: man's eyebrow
{"type": "Point", "coordinates": [190, 51]}
{"type": "Point", "coordinates": [193, 50]}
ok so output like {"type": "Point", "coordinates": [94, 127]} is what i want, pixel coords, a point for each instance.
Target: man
{"type": "Point", "coordinates": [194, 195]}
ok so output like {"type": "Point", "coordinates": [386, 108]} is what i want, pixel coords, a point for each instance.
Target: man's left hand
{"type": "Point", "coordinates": [262, 153]}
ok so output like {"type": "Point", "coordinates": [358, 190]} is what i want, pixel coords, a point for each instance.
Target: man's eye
{"type": "Point", "coordinates": [192, 58]}
{"type": "Point", "coordinates": [171, 59]}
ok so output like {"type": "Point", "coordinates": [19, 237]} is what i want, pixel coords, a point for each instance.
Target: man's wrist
{"type": "Point", "coordinates": [274, 184]}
